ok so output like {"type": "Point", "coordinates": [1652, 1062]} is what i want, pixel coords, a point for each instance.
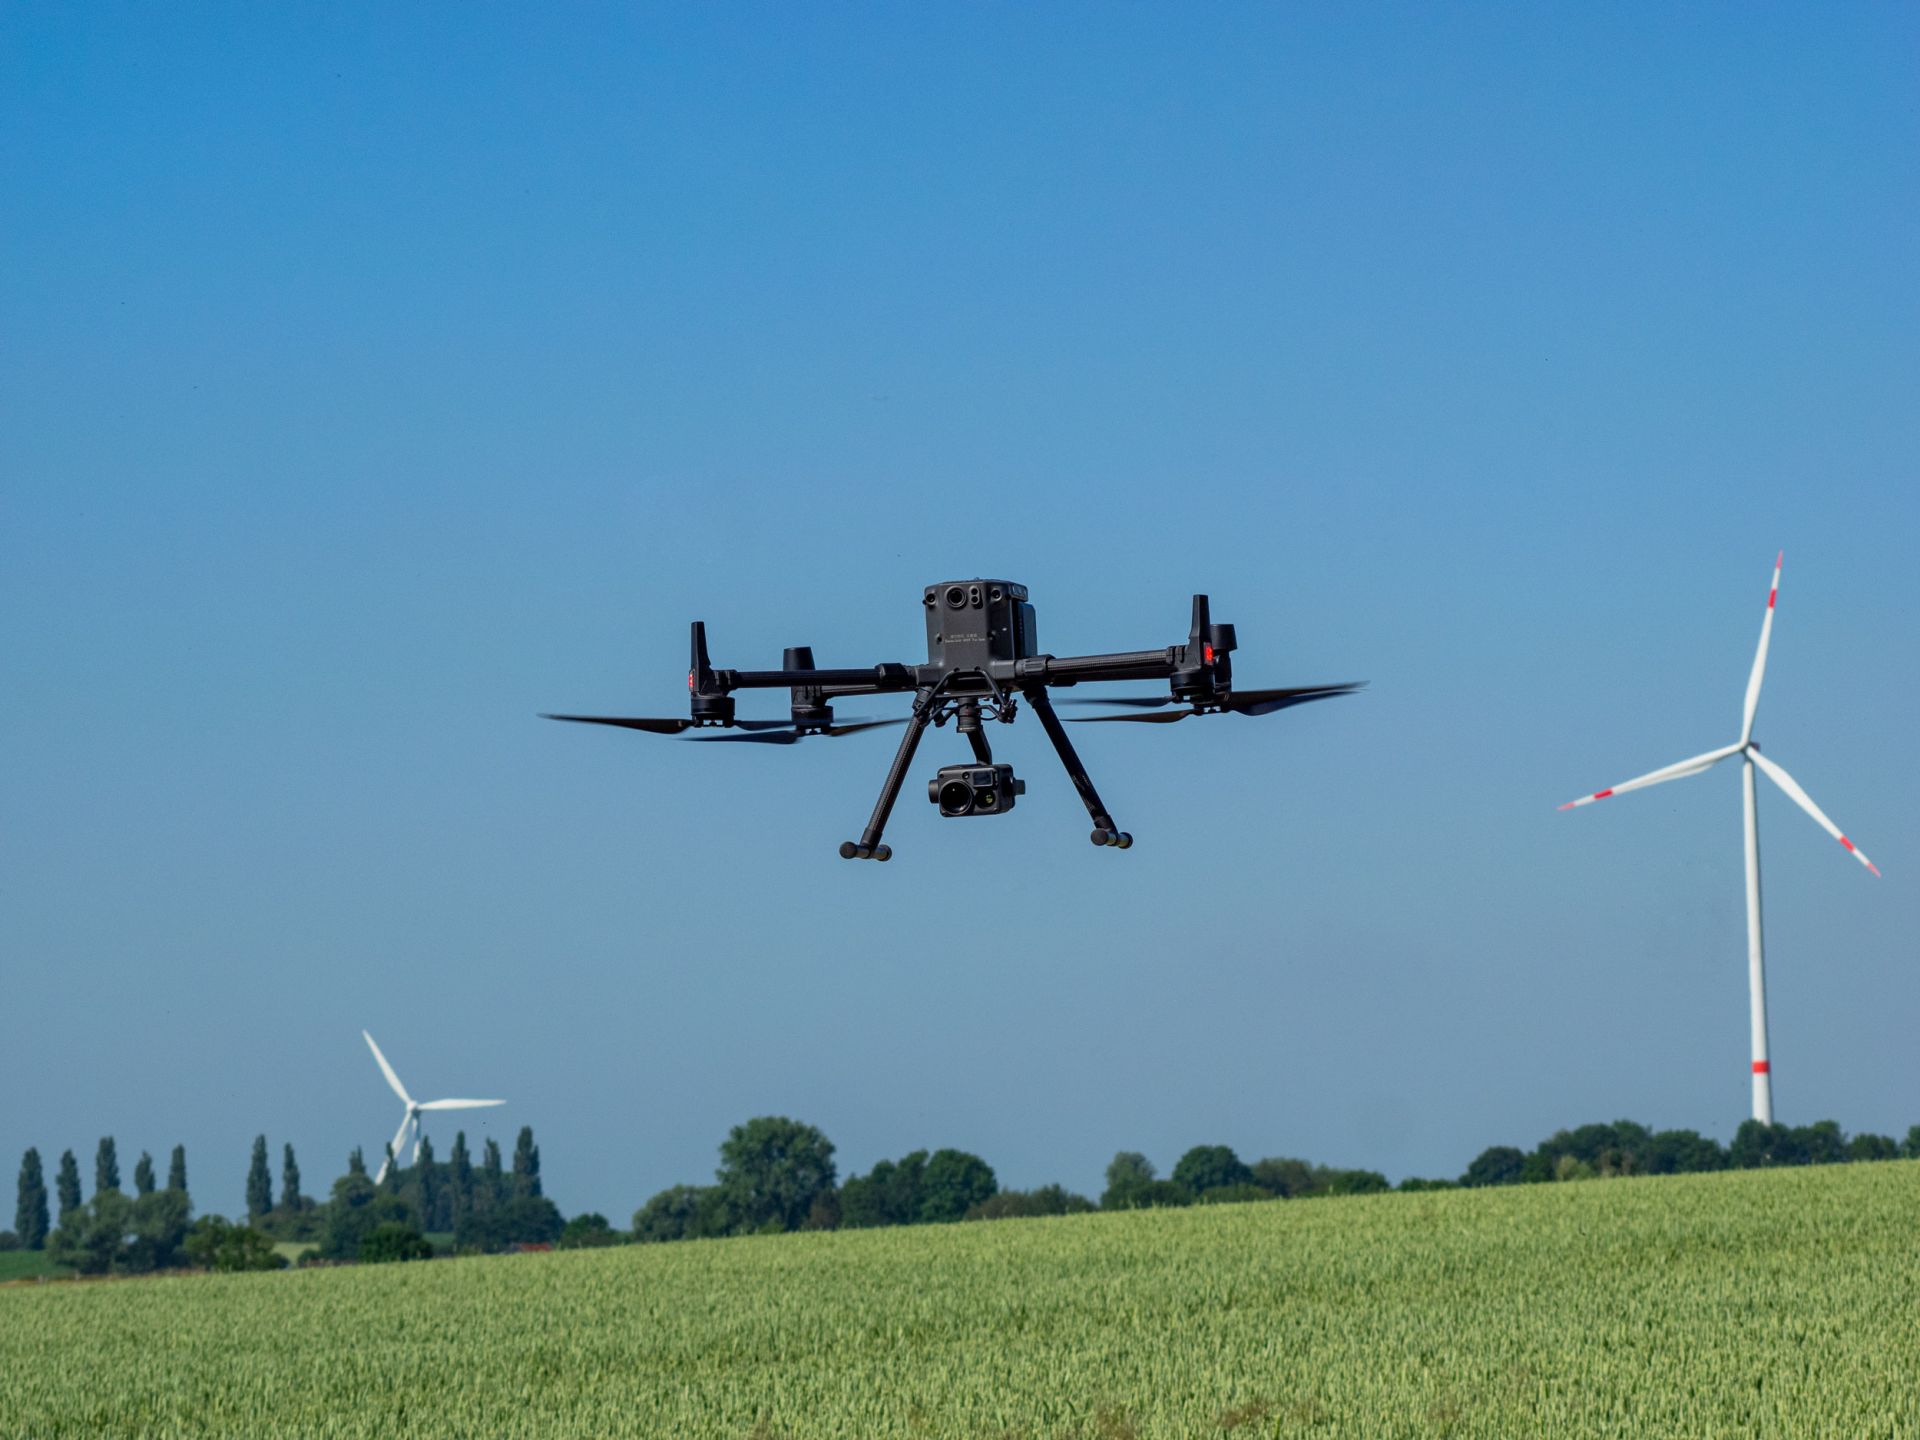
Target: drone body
{"type": "Point", "coordinates": [983, 659]}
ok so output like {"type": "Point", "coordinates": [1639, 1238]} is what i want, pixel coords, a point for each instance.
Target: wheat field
{"type": "Point", "coordinates": [1775, 1303]}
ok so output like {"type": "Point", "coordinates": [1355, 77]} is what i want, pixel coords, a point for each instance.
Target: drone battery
{"type": "Point", "coordinates": [971, 623]}
{"type": "Point", "coordinates": [974, 790]}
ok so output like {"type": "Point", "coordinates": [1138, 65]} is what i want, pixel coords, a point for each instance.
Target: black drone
{"type": "Point", "coordinates": [983, 657]}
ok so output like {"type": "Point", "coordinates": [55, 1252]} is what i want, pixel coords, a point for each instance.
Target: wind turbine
{"type": "Point", "coordinates": [1749, 751]}
{"type": "Point", "coordinates": [411, 1120]}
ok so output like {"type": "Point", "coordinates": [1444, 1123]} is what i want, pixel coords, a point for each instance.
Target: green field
{"type": "Point", "coordinates": [1773, 1303]}
{"type": "Point", "coordinates": [27, 1265]}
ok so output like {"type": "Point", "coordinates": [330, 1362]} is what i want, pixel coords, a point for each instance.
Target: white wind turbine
{"type": "Point", "coordinates": [1750, 757]}
{"type": "Point", "coordinates": [411, 1120]}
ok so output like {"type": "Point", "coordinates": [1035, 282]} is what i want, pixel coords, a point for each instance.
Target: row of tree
{"type": "Point", "coordinates": [778, 1174]}
{"type": "Point", "coordinates": [1627, 1148]}
{"type": "Point", "coordinates": [775, 1175]}
{"type": "Point", "coordinates": [33, 1212]}
{"type": "Point", "coordinates": [483, 1208]}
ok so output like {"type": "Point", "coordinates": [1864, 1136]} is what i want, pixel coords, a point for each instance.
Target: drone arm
{"type": "Point", "coordinates": [1070, 669]}
{"type": "Point", "coordinates": [876, 680]}
{"type": "Point", "coordinates": [1105, 832]}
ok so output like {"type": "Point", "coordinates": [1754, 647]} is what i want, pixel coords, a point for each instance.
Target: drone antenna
{"type": "Point", "coordinates": [700, 672]}
{"type": "Point", "coordinates": [1202, 618]}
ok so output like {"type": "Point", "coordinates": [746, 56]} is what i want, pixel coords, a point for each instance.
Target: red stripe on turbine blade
{"type": "Point", "coordinates": [1846, 842]}
{"type": "Point", "coordinates": [1761, 1067]}
{"type": "Point", "coordinates": [1773, 595]}
{"type": "Point", "coordinates": [1601, 794]}
{"type": "Point", "coordinates": [1875, 869]}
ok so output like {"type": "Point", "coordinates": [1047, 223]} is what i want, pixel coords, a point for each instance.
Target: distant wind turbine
{"type": "Point", "coordinates": [1746, 748]}
{"type": "Point", "coordinates": [411, 1119]}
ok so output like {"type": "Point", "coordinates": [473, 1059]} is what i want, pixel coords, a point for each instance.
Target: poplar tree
{"type": "Point", "coordinates": [106, 1166]}
{"type": "Point", "coordinates": [68, 1185]}
{"type": "Point", "coordinates": [259, 1181]}
{"type": "Point", "coordinates": [177, 1170]}
{"type": "Point", "coordinates": [526, 1163]}
{"type": "Point", "coordinates": [30, 1221]}
{"type": "Point", "coordinates": [143, 1174]}
{"type": "Point", "coordinates": [460, 1173]}
{"type": "Point", "coordinates": [356, 1162]}
{"type": "Point", "coordinates": [494, 1186]}
{"type": "Point", "coordinates": [426, 1178]}
{"type": "Point", "coordinates": [289, 1180]}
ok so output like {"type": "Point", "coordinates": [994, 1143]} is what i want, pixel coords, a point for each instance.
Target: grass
{"type": "Point", "coordinates": [28, 1265]}
{"type": "Point", "coordinates": [1777, 1303]}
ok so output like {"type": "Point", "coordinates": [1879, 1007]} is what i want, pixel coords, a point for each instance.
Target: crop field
{"type": "Point", "coordinates": [1771, 1303]}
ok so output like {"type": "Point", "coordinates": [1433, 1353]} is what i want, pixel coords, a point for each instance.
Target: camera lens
{"type": "Point", "coordinates": [956, 596]}
{"type": "Point", "coordinates": [984, 799]}
{"type": "Point", "coordinates": [956, 798]}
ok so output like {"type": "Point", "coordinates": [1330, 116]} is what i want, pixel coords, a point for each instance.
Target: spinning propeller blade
{"type": "Point", "coordinates": [785, 734]}
{"type": "Point", "coordinates": [1239, 702]}
{"type": "Point", "coordinates": [656, 726]}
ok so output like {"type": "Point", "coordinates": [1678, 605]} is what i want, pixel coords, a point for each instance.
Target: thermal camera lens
{"type": "Point", "coordinates": [956, 597]}
{"type": "Point", "coordinates": [984, 799]}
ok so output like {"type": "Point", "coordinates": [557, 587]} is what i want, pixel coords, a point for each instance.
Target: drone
{"type": "Point", "coordinates": [983, 660]}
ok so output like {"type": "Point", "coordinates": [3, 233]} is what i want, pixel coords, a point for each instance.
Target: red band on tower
{"type": "Point", "coordinates": [1761, 1067]}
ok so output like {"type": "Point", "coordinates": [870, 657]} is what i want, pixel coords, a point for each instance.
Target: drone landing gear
{"type": "Point", "coordinates": [868, 846]}
{"type": "Point", "coordinates": [1105, 832]}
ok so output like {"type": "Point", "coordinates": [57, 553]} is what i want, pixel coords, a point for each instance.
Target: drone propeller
{"type": "Point", "coordinates": [785, 734]}
{"type": "Point", "coordinates": [1240, 702]}
{"type": "Point", "coordinates": [655, 726]}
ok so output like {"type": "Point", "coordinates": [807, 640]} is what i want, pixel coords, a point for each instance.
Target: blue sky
{"type": "Point", "coordinates": [370, 382]}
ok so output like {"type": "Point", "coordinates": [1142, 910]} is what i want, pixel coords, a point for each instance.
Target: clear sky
{"type": "Point", "coordinates": [371, 381]}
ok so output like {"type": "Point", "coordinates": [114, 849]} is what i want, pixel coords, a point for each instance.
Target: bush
{"type": "Point", "coordinates": [9, 1240]}
{"type": "Point", "coordinates": [680, 1212]}
{"type": "Point", "coordinates": [1354, 1182]}
{"type": "Point", "coordinates": [392, 1241]}
{"type": "Point", "coordinates": [1026, 1204]}
{"type": "Point", "coordinates": [214, 1244]}
{"type": "Point", "coordinates": [523, 1220]}
{"type": "Point", "coordinates": [1414, 1183]}
{"type": "Point", "coordinates": [111, 1233]}
{"type": "Point", "coordinates": [1873, 1147]}
{"type": "Point", "coordinates": [1284, 1177]}
{"type": "Point", "coordinates": [589, 1231]}
{"type": "Point", "coordinates": [1156, 1195]}
{"type": "Point", "coordinates": [1236, 1194]}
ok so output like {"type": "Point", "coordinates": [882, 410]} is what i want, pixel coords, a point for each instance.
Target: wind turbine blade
{"type": "Point", "coordinates": [1760, 655]}
{"type": "Point", "coordinates": [459, 1104]}
{"type": "Point", "coordinates": [1677, 771]}
{"type": "Point", "coordinates": [1805, 801]}
{"type": "Point", "coordinates": [399, 1144]}
{"type": "Point", "coordinates": [419, 1135]}
{"type": "Point", "coordinates": [387, 1070]}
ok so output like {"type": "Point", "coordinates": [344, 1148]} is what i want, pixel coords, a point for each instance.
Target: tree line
{"type": "Point", "coordinates": [475, 1208]}
{"type": "Point", "coordinates": [775, 1175]}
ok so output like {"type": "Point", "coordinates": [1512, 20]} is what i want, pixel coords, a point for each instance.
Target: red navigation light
{"type": "Point", "coordinates": [1206, 652]}
{"type": "Point", "coordinates": [689, 679]}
